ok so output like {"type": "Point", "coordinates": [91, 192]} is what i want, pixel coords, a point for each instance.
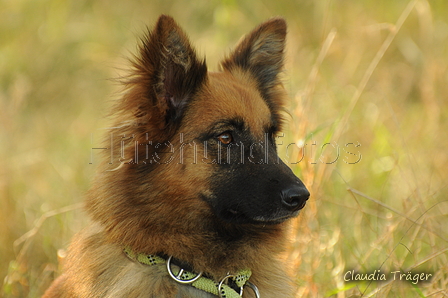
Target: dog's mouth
{"type": "Point", "coordinates": [235, 215]}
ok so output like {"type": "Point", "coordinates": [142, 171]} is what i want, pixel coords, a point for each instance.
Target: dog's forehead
{"type": "Point", "coordinates": [227, 96]}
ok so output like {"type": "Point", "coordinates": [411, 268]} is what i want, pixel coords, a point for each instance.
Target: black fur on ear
{"type": "Point", "coordinates": [261, 53]}
{"type": "Point", "coordinates": [167, 73]}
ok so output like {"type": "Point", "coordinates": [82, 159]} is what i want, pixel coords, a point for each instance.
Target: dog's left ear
{"type": "Point", "coordinates": [261, 53]}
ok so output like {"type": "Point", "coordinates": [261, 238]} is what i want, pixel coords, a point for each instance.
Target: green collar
{"type": "Point", "coordinates": [220, 289]}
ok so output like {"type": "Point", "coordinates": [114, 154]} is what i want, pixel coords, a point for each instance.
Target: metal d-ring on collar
{"type": "Point", "coordinates": [177, 276]}
{"type": "Point", "coordinates": [197, 280]}
{"type": "Point", "coordinates": [254, 288]}
{"type": "Point", "coordinates": [222, 282]}
{"type": "Point", "coordinates": [248, 284]}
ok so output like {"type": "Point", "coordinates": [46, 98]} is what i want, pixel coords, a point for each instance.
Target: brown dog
{"type": "Point", "coordinates": [199, 192]}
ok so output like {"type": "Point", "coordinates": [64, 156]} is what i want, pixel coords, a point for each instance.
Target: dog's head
{"type": "Point", "coordinates": [198, 143]}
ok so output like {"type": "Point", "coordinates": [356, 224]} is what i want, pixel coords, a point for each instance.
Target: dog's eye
{"type": "Point", "coordinates": [225, 138]}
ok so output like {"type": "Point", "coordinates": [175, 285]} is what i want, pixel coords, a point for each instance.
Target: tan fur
{"type": "Point", "coordinates": [157, 210]}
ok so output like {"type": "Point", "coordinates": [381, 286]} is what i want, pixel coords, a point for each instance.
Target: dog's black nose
{"type": "Point", "coordinates": [294, 198]}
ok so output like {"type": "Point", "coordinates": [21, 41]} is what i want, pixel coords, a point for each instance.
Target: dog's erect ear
{"type": "Point", "coordinates": [168, 70]}
{"type": "Point", "coordinates": [261, 53]}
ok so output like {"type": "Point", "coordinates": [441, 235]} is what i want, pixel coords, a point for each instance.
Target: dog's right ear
{"type": "Point", "coordinates": [167, 73]}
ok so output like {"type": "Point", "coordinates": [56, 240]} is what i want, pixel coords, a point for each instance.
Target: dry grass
{"type": "Point", "coordinates": [372, 73]}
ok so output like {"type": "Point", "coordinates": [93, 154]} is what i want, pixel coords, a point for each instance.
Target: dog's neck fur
{"type": "Point", "coordinates": [198, 238]}
{"type": "Point", "coordinates": [216, 247]}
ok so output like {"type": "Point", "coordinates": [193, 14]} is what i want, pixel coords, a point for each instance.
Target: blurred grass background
{"type": "Point", "coordinates": [372, 73]}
